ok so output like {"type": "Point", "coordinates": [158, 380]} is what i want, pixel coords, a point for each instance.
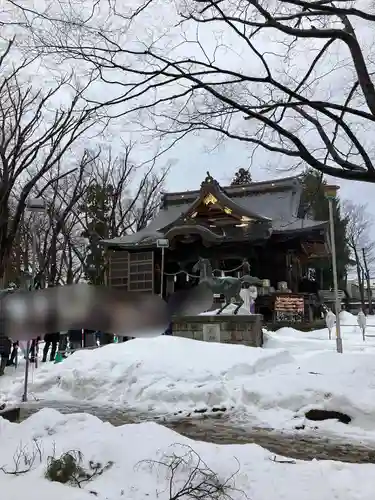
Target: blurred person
{"type": "Point", "coordinates": [34, 349]}
{"type": "Point", "coordinates": [75, 339]}
{"type": "Point", "coordinates": [169, 330]}
{"type": "Point", "coordinates": [107, 338]}
{"type": "Point", "coordinates": [51, 340]}
{"type": "Point", "coordinates": [109, 310]}
{"type": "Point", "coordinates": [98, 338]}
{"type": "Point", "coordinates": [13, 355]}
{"type": "Point", "coordinates": [63, 344]}
{"type": "Point", "coordinates": [89, 338]}
{"type": "Point", "coordinates": [5, 349]}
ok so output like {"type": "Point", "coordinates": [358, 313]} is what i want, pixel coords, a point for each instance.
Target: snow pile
{"type": "Point", "coordinates": [163, 374]}
{"type": "Point", "coordinates": [271, 387]}
{"type": "Point", "coordinates": [279, 398]}
{"type": "Point", "coordinates": [346, 318]}
{"type": "Point", "coordinates": [256, 476]}
{"type": "Point", "coordinates": [267, 387]}
{"type": "Point", "coordinates": [298, 342]}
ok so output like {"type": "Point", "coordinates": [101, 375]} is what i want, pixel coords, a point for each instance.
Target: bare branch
{"type": "Point", "coordinates": [267, 82]}
{"type": "Point", "coordinates": [33, 141]}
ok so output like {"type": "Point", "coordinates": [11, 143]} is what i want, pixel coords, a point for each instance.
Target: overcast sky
{"type": "Point", "coordinates": [193, 160]}
{"type": "Point", "coordinates": [196, 154]}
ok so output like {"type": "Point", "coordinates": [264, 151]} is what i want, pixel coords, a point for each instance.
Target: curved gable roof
{"type": "Point", "coordinates": [276, 201]}
{"type": "Point", "coordinates": [211, 187]}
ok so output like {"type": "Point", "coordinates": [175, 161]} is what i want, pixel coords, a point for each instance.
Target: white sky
{"type": "Point", "coordinates": [195, 154]}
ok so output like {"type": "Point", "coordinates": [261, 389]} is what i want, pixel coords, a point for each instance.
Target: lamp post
{"type": "Point", "coordinates": [330, 192]}
{"type": "Point", "coordinates": [35, 206]}
{"type": "Point", "coordinates": [162, 243]}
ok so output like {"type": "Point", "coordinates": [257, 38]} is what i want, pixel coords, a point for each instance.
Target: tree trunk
{"type": "Point", "coordinates": [5, 255]}
{"type": "Point", "coordinates": [367, 274]}
{"type": "Point", "coordinates": [53, 260]}
{"type": "Point", "coordinates": [359, 275]}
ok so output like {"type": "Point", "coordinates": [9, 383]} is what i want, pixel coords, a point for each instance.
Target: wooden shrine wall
{"type": "Point", "coordinates": [132, 271]}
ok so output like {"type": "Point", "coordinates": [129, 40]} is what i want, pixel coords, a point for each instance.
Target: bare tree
{"type": "Point", "coordinates": [134, 190]}
{"type": "Point", "coordinates": [121, 197]}
{"type": "Point", "coordinates": [55, 231]}
{"type": "Point", "coordinates": [63, 191]}
{"type": "Point", "coordinates": [368, 281]}
{"type": "Point", "coordinates": [278, 96]}
{"type": "Point", "coordinates": [75, 223]}
{"type": "Point", "coordinates": [33, 140]}
{"type": "Point", "coordinates": [359, 239]}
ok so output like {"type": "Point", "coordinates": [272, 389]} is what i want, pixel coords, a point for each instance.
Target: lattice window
{"type": "Point", "coordinates": [131, 271]}
{"type": "Point", "coordinates": [118, 268]}
{"type": "Point", "coordinates": [141, 272]}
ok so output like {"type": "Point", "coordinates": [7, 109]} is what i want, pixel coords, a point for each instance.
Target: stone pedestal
{"type": "Point", "coordinates": [246, 330]}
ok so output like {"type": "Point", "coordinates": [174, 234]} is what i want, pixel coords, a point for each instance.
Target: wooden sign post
{"type": "Point", "coordinates": [289, 307]}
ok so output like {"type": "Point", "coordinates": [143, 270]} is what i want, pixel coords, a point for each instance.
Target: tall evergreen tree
{"type": "Point", "coordinates": [242, 176]}
{"type": "Point", "coordinates": [315, 205]}
{"type": "Point", "coordinates": [96, 208]}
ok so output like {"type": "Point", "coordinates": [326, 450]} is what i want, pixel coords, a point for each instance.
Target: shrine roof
{"type": "Point", "coordinates": [277, 201]}
{"type": "Point", "coordinates": [238, 193]}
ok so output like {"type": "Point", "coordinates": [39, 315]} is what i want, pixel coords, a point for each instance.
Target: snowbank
{"type": "Point", "coordinates": [266, 387]}
{"type": "Point", "coordinates": [256, 475]}
{"type": "Point", "coordinates": [345, 383]}
{"type": "Point", "coordinates": [163, 374]}
{"type": "Point", "coordinates": [272, 387]}
{"type": "Point", "coordinates": [298, 342]}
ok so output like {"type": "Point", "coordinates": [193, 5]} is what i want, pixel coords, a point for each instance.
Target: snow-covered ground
{"type": "Point", "coordinates": [298, 342]}
{"type": "Point", "coordinates": [270, 387]}
{"type": "Point", "coordinates": [134, 475]}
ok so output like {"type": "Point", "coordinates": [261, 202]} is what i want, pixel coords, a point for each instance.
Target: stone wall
{"type": "Point", "coordinates": [246, 330]}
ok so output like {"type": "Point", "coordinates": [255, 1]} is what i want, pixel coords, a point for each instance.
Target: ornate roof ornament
{"type": "Point", "coordinates": [208, 178]}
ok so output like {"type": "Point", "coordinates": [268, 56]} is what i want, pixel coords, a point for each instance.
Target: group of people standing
{"type": "Point", "coordinates": [53, 342]}
{"type": "Point", "coordinates": [76, 338]}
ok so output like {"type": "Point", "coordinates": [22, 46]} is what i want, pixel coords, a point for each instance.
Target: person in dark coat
{"type": "Point", "coordinates": [169, 330]}
{"type": "Point", "coordinates": [34, 349]}
{"type": "Point", "coordinates": [89, 338]}
{"type": "Point", "coordinates": [107, 338]}
{"type": "Point", "coordinates": [5, 349]}
{"type": "Point", "coordinates": [13, 355]}
{"type": "Point", "coordinates": [51, 340]}
{"type": "Point", "coordinates": [63, 344]}
{"type": "Point", "coordinates": [75, 339]}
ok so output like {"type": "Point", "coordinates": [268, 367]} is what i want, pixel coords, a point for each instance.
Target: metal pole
{"type": "Point", "coordinates": [335, 284]}
{"type": "Point", "coordinates": [162, 272]}
{"type": "Point", "coordinates": [33, 273]}
{"type": "Point", "coordinates": [26, 381]}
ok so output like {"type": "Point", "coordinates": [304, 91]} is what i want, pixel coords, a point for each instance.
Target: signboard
{"type": "Point", "coordinates": [330, 191]}
{"type": "Point", "coordinates": [211, 332]}
{"type": "Point", "coordinates": [289, 307]}
{"type": "Point", "coordinates": [162, 243]}
{"type": "Point", "coordinates": [36, 205]}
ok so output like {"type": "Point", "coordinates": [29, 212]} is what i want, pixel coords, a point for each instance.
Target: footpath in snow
{"type": "Point", "coordinates": [273, 387]}
{"type": "Point", "coordinates": [247, 471]}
